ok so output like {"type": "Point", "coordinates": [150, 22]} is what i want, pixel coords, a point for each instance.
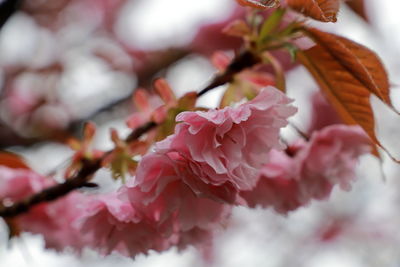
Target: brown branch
{"type": "Point", "coordinates": [54, 192]}
{"type": "Point", "coordinates": [80, 180]}
{"type": "Point", "coordinates": [140, 131]}
{"type": "Point", "coordinates": [90, 167]}
{"type": "Point", "coordinates": [243, 61]}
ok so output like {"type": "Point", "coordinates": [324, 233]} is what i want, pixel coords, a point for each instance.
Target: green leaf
{"type": "Point", "coordinates": [121, 165]}
{"type": "Point", "coordinates": [236, 91]}
{"type": "Point", "coordinates": [270, 25]}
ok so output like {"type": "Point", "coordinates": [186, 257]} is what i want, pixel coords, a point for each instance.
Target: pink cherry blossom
{"type": "Point", "coordinates": [328, 159]}
{"type": "Point", "coordinates": [54, 220]}
{"type": "Point", "coordinates": [322, 113]}
{"type": "Point", "coordinates": [110, 224]}
{"type": "Point", "coordinates": [16, 184]}
{"type": "Point", "coordinates": [277, 186]}
{"type": "Point", "coordinates": [332, 154]}
{"type": "Point", "coordinates": [225, 148]}
{"type": "Point", "coordinates": [155, 212]}
{"type": "Point", "coordinates": [163, 198]}
{"type": "Point", "coordinates": [165, 193]}
{"type": "Point", "coordinates": [158, 212]}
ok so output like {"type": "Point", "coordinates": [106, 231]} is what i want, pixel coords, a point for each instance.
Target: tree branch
{"type": "Point", "coordinates": [54, 192]}
{"type": "Point", "coordinates": [80, 180]}
{"type": "Point", "coordinates": [90, 167]}
{"type": "Point", "coordinates": [245, 60]}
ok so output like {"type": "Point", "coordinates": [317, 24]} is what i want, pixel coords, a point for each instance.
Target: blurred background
{"type": "Point", "coordinates": [63, 62]}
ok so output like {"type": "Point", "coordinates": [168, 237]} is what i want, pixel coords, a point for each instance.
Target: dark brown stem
{"type": "Point", "coordinates": [140, 131]}
{"type": "Point", "coordinates": [243, 61]}
{"type": "Point", "coordinates": [54, 192]}
{"type": "Point", "coordinates": [81, 179]}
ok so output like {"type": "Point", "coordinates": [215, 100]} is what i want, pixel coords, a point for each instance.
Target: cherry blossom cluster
{"type": "Point", "coordinates": [185, 188]}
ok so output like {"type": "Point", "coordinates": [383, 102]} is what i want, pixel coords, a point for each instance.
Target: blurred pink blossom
{"type": "Point", "coordinates": [322, 113]}
{"type": "Point", "coordinates": [328, 159]}
{"type": "Point", "coordinates": [165, 201]}
{"type": "Point", "coordinates": [16, 184]}
{"type": "Point", "coordinates": [158, 212]}
{"type": "Point", "coordinates": [54, 220]}
{"type": "Point", "coordinates": [160, 191]}
{"type": "Point", "coordinates": [110, 224]}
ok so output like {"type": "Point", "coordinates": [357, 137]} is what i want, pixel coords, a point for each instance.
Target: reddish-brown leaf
{"type": "Point", "coordinates": [322, 10]}
{"type": "Point", "coordinates": [357, 59]}
{"type": "Point", "coordinates": [358, 6]}
{"type": "Point", "coordinates": [12, 160]}
{"type": "Point", "coordinates": [346, 93]}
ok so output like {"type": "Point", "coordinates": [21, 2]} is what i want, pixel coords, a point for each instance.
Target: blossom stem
{"type": "Point", "coordinates": [243, 61]}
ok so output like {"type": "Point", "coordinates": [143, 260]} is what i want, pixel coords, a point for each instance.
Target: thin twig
{"type": "Point", "coordinates": [243, 61]}
{"type": "Point", "coordinates": [81, 179]}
